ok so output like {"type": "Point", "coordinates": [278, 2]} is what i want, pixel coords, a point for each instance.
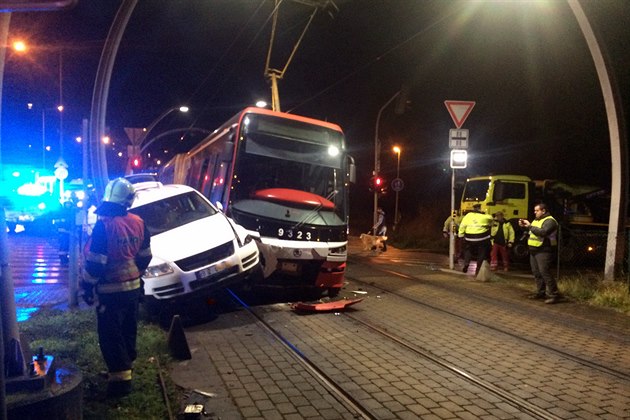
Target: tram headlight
{"type": "Point", "coordinates": [339, 250]}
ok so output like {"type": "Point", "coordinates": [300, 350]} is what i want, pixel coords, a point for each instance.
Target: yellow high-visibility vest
{"type": "Point", "coordinates": [537, 242]}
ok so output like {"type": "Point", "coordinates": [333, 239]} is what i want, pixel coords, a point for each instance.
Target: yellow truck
{"type": "Point", "coordinates": [582, 211]}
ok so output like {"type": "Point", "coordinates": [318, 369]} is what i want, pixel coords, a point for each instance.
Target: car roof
{"type": "Point", "coordinates": [149, 192]}
{"type": "Point", "coordinates": [141, 177]}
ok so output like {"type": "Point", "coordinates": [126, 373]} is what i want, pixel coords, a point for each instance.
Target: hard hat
{"type": "Point", "coordinates": [120, 191]}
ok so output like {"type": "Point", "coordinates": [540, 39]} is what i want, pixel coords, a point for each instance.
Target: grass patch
{"type": "Point", "coordinates": [590, 289]}
{"type": "Point", "coordinates": [593, 290]}
{"type": "Point", "coordinates": [71, 336]}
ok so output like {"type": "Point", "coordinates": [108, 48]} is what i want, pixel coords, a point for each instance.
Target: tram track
{"type": "Point", "coordinates": [333, 387]}
{"type": "Point", "coordinates": [592, 364]}
{"type": "Point", "coordinates": [520, 403]}
{"type": "Point", "coordinates": [362, 411]}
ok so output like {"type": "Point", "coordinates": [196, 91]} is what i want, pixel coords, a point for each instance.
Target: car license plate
{"type": "Point", "coordinates": [206, 272]}
{"type": "Point", "coordinates": [290, 267]}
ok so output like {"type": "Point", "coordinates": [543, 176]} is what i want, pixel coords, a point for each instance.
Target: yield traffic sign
{"type": "Point", "coordinates": [459, 111]}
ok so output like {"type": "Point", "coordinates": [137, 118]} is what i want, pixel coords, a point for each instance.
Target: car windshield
{"type": "Point", "coordinates": [173, 212]}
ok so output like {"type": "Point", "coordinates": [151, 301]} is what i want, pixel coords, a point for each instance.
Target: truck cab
{"type": "Point", "coordinates": [577, 208]}
{"type": "Point", "coordinates": [509, 194]}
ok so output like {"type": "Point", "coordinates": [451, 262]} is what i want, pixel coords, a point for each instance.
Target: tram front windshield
{"type": "Point", "coordinates": [281, 153]}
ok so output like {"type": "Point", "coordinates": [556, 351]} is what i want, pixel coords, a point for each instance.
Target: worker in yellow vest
{"type": "Point", "coordinates": [475, 229]}
{"type": "Point", "coordinates": [451, 224]}
{"type": "Point", "coordinates": [502, 235]}
{"type": "Point", "coordinates": [542, 244]}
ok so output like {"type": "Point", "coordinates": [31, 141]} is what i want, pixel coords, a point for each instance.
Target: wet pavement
{"type": "Point", "coordinates": [526, 359]}
{"type": "Point", "coordinates": [39, 278]}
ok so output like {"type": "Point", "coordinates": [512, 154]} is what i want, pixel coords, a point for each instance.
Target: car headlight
{"type": "Point", "coordinates": [157, 270]}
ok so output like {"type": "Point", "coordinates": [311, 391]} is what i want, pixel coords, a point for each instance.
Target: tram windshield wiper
{"type": "Point", "coordinates": [314, 211]}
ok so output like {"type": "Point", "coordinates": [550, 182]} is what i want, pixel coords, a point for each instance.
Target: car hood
{"type": "Point", "coordinates": [192, 238]}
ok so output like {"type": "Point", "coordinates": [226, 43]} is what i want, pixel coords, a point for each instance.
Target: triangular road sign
{"type": "Point", "coordinates": [459, 111]}
{"type": "Point", "coordinates": [136, 135]}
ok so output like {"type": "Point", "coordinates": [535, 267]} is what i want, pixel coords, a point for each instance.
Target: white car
{"type": "Point", "coordinates": [196, 248]}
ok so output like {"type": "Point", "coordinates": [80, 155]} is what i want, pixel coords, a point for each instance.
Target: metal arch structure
{"type": "Point", "coordinates": [101, 92]}
{"type": "Point", "coordinates": [618, 150]}
{"type": "Point", "coordinates": [274, 74]}
{"type": "Point", "coordinates": [173, 131]}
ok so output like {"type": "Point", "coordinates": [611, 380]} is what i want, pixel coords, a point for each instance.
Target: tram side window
{"type": "Point", "coordinates": [209, 180]}
{"type": "Point", "coordinates": [219, 181]}
{"type": "Point", "coordinates": [195, 173]}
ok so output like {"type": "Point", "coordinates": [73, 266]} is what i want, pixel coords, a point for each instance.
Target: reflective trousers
{"type": "Point", "coordinates": [117, 318]}
{"type": "Point", "coordinates": [499, 252]}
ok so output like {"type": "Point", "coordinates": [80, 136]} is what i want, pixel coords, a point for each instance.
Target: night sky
{"type": "Point", "coordinates": [539, 109]}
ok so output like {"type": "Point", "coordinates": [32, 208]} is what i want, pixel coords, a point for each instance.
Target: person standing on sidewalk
{"type": "Point", "coordinates": [542, 244]}
{"type": "Point", "coordinates": [380, 228]}
{"type": "Point", "coordinates": [117, 254]}
{"type": "Point", "coordinates": [475, 229]}
{"type": "Point", "coordinates": [452, 222]}
{"type": "Point", "coordinates": [502, 235]}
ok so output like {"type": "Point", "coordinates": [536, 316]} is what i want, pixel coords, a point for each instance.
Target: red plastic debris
{"type": "Point", "coordinates": [337, 305]}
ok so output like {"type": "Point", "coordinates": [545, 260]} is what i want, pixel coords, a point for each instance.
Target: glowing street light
{"type": "Point", "coordinates": [22, 47]}
{"type": "Point", "coordinates": [137, 147]}
{"type": "Point", "coordinates": [397, 150]}
{"type": "Point", "coordinates": [19, 46]}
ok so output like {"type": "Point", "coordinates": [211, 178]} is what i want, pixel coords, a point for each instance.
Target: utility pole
{"type": "Point", "coordinates": [377, 155]}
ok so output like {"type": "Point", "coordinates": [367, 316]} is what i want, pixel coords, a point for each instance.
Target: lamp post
{"type": "Point", "coordinates": [30, 107]}
{"type": "Point", "coordinates": [60, 106]}
{"type": "Point", "coordinates": [377, 161]}
{"type": "Point", "coordinates": [21, 47]}
{"type": "Point", "coordinates": [138, 136]}
{"type": "Point", "coordinates": [397, 150]}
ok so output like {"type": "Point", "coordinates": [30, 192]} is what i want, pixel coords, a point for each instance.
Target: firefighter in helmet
{"type": "Point", "coordinates": [116, 255]}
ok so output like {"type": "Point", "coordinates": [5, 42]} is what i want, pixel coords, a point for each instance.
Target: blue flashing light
{"type": "Point", "coordinates": [23, 314]}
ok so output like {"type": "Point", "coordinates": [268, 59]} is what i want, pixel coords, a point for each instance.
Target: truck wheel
{"type": "Point", "coordinates": [520, 252]}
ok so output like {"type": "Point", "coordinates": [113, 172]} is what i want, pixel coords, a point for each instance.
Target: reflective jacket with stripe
{"type": "Point", "coordinates": [117, 253]}
{"type": "Point", "coordinates": [475, 226]}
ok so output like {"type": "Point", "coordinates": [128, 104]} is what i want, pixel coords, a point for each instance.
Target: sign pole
{"type": "Point", "coordinates": [458, 140]}
{"type": "Point", "coordinates": [451, 242]}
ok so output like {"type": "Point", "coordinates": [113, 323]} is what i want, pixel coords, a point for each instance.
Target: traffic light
{"type": "Point", "coordinates": [136, 162]}
{"type": "Point", "coordinates": [377, 184]}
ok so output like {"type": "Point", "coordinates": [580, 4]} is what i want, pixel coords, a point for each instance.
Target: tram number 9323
{"type": "Point", "coordinates": [295, 235]}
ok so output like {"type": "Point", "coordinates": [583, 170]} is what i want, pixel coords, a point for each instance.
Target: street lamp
{"type": "Point", "coordinates": [397, 150]}
{"type": "Point", "coordinates": [377, 153]}
{"type": "Point", "coordinates": [22, 47]}
{"type": "Point", "coordinates": [136, 140]}
{"type": "Point", "coordinates": [147, 130]}
{"type": "Point", "coordinates": [44, 147]}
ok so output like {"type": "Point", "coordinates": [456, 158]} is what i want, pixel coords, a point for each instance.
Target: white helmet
{"type": "Point", "coordinates": [120, 191]}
